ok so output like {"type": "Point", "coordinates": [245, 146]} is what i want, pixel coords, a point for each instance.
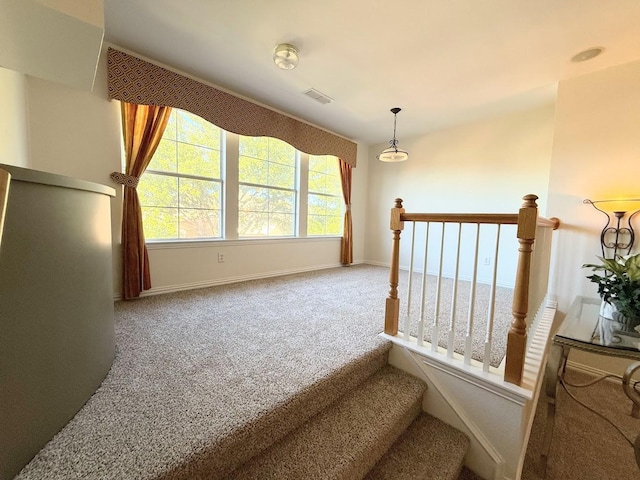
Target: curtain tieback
{"type": "Point", "coordinates": [347, 208]}
{"type": "Point", "coordinates": [124, 179]}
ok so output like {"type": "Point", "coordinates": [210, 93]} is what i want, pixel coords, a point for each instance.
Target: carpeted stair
{"type": "Point", "coordinates": [356, 435]}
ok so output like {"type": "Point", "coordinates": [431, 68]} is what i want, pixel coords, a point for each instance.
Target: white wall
{"type": "Point", "coordinates": [14, 149]}
{"type": "Point", "coordinates": [483, 167]}
{"type": "Point", "coordinates": [77, 133]}
{"type": "Point", "coordinates": [596, 155]}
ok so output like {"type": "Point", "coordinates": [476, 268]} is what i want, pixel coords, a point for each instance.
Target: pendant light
{"type": "Point", "coordinates": [393, 153]}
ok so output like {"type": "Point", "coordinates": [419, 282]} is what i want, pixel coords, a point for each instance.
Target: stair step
{"type": "Point", "coordinates": [347, 439]}
{"type": "Point", "coordinates": [428, 450]}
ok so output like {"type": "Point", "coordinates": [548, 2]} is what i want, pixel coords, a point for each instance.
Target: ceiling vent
{"type": "Point", "coordinates": [318, 96]}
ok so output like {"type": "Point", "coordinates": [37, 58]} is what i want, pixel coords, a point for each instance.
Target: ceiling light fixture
{"type": "Point", "coordinates": [285, 56]}
{"type": "Point", "coordinates": [393, 153]}
{"type": "Point", "coordinates": [587, 54]}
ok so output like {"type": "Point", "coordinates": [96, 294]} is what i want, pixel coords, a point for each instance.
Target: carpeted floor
{"type": "Point", "coordinates": [585, 446]}
{"type": "Point", "coordinates": [196, 366]}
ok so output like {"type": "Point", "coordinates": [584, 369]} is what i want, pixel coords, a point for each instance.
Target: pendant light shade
{"type": "Point", "coordinates": [393, 153]}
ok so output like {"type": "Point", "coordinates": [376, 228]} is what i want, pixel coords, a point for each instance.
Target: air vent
{"type": "Point", "coordinates": [318, 96]}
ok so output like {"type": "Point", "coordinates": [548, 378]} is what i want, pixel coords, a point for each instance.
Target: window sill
{"type": "Point", "coordinates": [206, 243]}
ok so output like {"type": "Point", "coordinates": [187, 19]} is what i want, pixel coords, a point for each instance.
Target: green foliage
{"type": "Point", "coordinates": [181, 192]}
{"type": "Point", "coordinates": [325, 204]}
{"type": "Point", "coordinates": [619, 283]}
{"type": "Point", "coordinates": [183, 207]}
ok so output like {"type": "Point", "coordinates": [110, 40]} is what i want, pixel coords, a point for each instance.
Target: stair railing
{"type": "Point", "coordinates": [525, 298]}
{"type": "Point", "coordinates": [5, 180]}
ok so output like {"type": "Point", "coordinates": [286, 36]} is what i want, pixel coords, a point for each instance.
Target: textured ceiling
{"type": "Point", "coordinates": [443, 62]}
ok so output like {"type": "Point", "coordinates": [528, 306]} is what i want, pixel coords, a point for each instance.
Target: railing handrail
{"type": "Point", "coordinates": [481, 218]}
{"type": "Point", "coordinates": [527, 220]}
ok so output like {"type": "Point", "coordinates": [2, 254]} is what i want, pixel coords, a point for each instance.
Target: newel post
{"type": "Point", "coordinates": [517, 337]}
{"type": "Point", "coordinates": [392, 308]}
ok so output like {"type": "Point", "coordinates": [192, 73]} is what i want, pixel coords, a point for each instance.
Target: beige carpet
{"type": "Point", "coordinates": [205, 379]}
{"type": "Point", "coordinates": [584, 445]}
{"type": "Point", "coordinates": [199, 373]}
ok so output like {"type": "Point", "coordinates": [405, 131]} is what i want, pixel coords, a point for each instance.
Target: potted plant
{"type": "Point", "coordinates": [619, 287]}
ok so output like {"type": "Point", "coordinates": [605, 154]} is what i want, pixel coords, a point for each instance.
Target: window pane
{"type": "Point", "coordinates": [200, 161]}
{"type": "Point", "coordinates": [334, 206]}
{"type": "Point", "coordinates": [281, 175]}
{"type": "Point", "coordinates": [195, 130]}
{"type": "Point", "coordinates": [317, 182]}
{"type": "Point", "coordinates": [256, 147]}
{"type": "Point", "coordinates": [158, 190]}
{"type": "Point", "coordinates": [170, 132]}
{"type": "Point", "coordinates": [281, 224]}
{"type": "Point", "coordinates": [316, 225]}
{"type": "Point", "coordinates": [318, 163]}
{"type": "Point", "coordinates": [317, 205]}
{"type": "Point", "coordinates": [282, 202]}
{"type": "Point", "coordinates": [325, 202]}
{"type": "Point", "coordinates": [253, 170]}
{"type": "Point", "coordinates": [202, 194]}
{"type": "Point", "coordinates": [334, 225]}
{"type": "Point", "coordinates": [253, 199]}
{"type": "Point", "coordinates": [165, 158]}
{"type": "Point", "coordinates": [160, 223]}
{"type": "Point", "coordinates": [281, 152]}
{"type": "Point", "coordinates": [253, 224]}
{"type": "Point", "coordinates": [199, 223]}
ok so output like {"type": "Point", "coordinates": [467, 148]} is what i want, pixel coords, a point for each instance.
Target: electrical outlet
{"type": "Point", "coordinates": [221, 258]}
{"type": "Point", "coordinates": [487, 261]}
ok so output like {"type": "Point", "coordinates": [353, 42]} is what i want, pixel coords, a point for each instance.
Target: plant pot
{"type": "Point", "coordinates": [624, 324]}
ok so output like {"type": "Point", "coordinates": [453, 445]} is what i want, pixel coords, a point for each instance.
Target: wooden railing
{"type": "Point", "coordinates": [5, 179]}
{"type": "Point", "coordinates": [527, 222]}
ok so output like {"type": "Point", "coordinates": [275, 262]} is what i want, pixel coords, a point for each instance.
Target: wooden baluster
{"type": "Point", "coordinates": [5, 179]}
{"type": "Point", "coordinates": [392, 308]}
{"type": "Point", "coordinates": [517, 337]}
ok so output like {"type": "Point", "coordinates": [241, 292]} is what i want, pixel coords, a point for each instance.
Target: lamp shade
{"type": "Point", "coordinates": [393, 154]}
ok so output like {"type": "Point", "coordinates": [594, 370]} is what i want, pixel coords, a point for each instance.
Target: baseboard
{"type": "Point", "coordinates": [595, 372]}
{"type": "Point", "coordinates": [229, 280]}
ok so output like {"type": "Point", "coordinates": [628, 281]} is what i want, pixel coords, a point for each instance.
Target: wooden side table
{"type": "Point", "coordinates": [584, 329]}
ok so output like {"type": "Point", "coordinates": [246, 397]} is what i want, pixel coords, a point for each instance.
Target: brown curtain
{"type": "Point", "coordinates": [346, 253]}
{"type": "Point", "coordinates": [142, 128]}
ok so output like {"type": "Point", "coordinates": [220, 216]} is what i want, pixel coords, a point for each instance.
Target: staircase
{"type": "Point", "coordinates": [374, 430]}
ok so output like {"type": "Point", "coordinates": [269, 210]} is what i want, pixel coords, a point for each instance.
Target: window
{"type": "Point", "coordinates": [325, 202]}
{"type": "Point", "coordinates": [182, 193]}
{"type": "Point", "coordinates": [181, 190]}
{"type": "Point", "coordinates": [266, 187]}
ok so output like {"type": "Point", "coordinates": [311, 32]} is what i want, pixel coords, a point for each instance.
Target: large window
{"type": "Point", "coordinates": [279, 193]}
{"type": "Point", "coordinates": [325, 207]}
{"type": "Point", "coordinates": [267, 187]}
{"type": "Point", "coordinates": [181, 190]}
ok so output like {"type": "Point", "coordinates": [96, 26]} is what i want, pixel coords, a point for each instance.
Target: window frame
{"type": "Point", "coordinates": [230, 185]}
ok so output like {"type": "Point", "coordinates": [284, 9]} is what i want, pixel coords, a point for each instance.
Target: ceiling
{"type": "Point", "coordinates": [442, 62]}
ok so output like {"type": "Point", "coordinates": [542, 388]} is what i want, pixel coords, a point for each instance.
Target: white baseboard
{"type": "Point", "coordinates": [229, 280]}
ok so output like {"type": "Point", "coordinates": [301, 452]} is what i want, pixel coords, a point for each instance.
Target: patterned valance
{"type": "Point", "coordinates": [134, 80]}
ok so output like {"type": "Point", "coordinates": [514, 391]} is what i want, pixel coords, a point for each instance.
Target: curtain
{"type": "Point", "coordinates": [142, 128]}
{"type": "Point", "coordinates": [346, 253]}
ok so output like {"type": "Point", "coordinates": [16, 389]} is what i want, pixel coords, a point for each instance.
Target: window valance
{"type": "Point", "coordinates": [134, 80]}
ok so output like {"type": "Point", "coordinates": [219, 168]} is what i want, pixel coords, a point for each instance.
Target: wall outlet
{"type": "Point", "coordinates": [221, 258]}
{"type": "Point", "coordinates": [486, 261]}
